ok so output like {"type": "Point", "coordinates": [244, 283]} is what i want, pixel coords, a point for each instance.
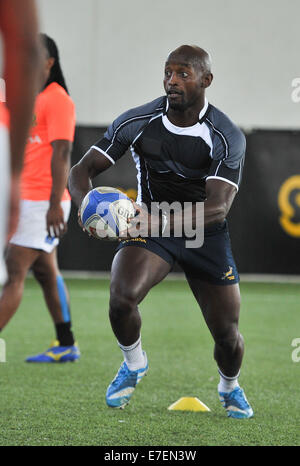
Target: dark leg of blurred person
{"type": "Point", "coordinates": [44, 265]}
{"type": "Point", "coordinates": [56, 295]}
{"type": "Point", "coordinates": [18, 262]}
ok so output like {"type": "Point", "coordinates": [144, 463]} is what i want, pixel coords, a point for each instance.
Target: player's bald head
{"type": "Point", "coordinates": [192, 55]}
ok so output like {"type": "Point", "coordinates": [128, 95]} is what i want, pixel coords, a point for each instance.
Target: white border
{"type": "Point", "coordinates": [223, 179]}
{"type": "Point", "coordinates": [104, 153]}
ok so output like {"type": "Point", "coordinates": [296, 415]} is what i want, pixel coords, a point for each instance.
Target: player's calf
{"type": "Point", "coordinates": [229, 351]}
{"type": "Point", "coordinates": [124, 316]}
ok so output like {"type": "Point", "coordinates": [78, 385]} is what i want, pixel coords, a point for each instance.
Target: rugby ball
{"type": "Point", "coordinates": [104, 212]}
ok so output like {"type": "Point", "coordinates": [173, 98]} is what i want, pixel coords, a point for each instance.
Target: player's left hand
{"type": "Point", "coordinates": [142, 224]}
{"type": "Point", "coordinates": [56, 225]}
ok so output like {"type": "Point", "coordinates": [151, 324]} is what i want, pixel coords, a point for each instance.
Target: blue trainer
{"type": "Point", "coordinates": [122, 387]}
{"type": "Point", "coordinates": [236, 404]}
{"type": "Point", "coordinates": [57, 353]}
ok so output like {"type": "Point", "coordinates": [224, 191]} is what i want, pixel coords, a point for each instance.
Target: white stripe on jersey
{"type": "Point", "coordinates": [137, 162]}
{"type": "Point", "coordinates": [153, 118]}
{"type": "Point", "coordinates": [223, 179]}
{"type": "Point", "coordinates": [139, 117]}
{"type": "Point", "coordinates": [222, 136]}
{"type": "Point", "coordinates": [104, 153]}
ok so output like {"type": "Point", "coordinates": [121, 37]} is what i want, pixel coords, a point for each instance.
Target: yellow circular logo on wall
{"type": "Point", "coordinates": [288, 205]}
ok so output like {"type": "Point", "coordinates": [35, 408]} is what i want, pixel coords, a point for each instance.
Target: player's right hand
{"type": "Point", "coordinates": [79, 220]}
{"type": "Point", "coordinates": [55, 223]}
{"type": "Point", "coordinates": [80, 223]}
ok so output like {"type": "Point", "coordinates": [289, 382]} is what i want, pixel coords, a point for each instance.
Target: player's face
{"type": "Point", "coordinates": [182, 83]}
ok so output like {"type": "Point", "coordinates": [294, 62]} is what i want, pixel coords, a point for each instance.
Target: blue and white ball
{"type": "Point", "coordinates": [104, 212]}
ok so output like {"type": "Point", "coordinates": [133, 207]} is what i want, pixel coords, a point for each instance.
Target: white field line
{"type": "Point", "coordinates": [104, 295]}
{"type": "Point", "coordinates": [76, 295]}
{"type": "Point", "coordinates": [263, 278]}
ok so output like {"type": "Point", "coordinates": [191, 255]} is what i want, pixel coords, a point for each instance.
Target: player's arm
{"type": "Point", "coordinates": [60, 166]}
{"type": "Point", "coordinates": [109, 149]}
{"type": "Point", "coordinates": [80, 179]}
{"type": "Point", "coordinates": [220, 195]}
{"type": "Point", "coordinates": [219, 198]}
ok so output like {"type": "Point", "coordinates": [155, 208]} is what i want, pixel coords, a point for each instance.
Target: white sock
{"type": "Point", "coordinates": [133, 355]}
{"type": "Point", "coordinates": [227, 384]}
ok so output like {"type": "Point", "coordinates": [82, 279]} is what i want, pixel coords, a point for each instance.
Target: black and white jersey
{"type": "Point", "coordinates": [173, 163]}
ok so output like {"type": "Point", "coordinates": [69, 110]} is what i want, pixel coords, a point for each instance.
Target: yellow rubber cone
{"type": "Point", "coordinates": [188, 404]}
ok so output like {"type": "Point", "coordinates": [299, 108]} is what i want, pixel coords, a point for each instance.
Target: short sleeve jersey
{"type": "Point", "coordinates": [173, 163]}
{"type": "Point", "coordinates": [53, 119]}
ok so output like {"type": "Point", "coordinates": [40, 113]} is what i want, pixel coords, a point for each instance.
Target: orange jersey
{"type": "Point", "coordinates": [53, 118]}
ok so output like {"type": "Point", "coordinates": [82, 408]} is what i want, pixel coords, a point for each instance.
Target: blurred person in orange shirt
{"type": "Point", "coordinates": [45, 208]}
{"type": "Point", "coordinates": [21, 72]}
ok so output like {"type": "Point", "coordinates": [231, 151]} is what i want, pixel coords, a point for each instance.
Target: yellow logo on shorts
{"type": "Point", "coordinates": [228, 275]}
{"type": "Point", "coordinates": [142, 240]}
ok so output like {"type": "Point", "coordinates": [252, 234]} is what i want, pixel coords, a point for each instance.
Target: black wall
{"type": "Point", "coordinates": [259, 241]}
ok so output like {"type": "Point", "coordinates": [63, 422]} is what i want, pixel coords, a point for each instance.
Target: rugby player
{"type": "Point", "coordinates": [185, 150]}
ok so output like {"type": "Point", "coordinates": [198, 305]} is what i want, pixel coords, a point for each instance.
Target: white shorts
{"type": "Point", "coordinates": [4, 195]}
{"type": "Point", "coordinates": [32, 231]}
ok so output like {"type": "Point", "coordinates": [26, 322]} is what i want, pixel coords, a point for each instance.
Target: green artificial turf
{"type": "Point", "coordinates": [64, 404]}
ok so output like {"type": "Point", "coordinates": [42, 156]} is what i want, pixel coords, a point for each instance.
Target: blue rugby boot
{"type": "Point", "coordinates": [57, 353]}
{"type": "Point", "coordinates": [122, 387]}
{"type": "Point", "coordinates": [236, 404]}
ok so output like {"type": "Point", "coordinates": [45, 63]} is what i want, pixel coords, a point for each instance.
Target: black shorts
{"type": "Point", "coordinates": [212, 262]}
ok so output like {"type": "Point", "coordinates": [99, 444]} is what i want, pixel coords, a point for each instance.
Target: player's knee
{"type": "Point", "coordinates": [41, 274]}
{"type": "Point", "coordinates": [229, 340]}
{"type": "Point", "coordinates": [122, 299]}
{"type": "Point", "coordinates": [15, 273]}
